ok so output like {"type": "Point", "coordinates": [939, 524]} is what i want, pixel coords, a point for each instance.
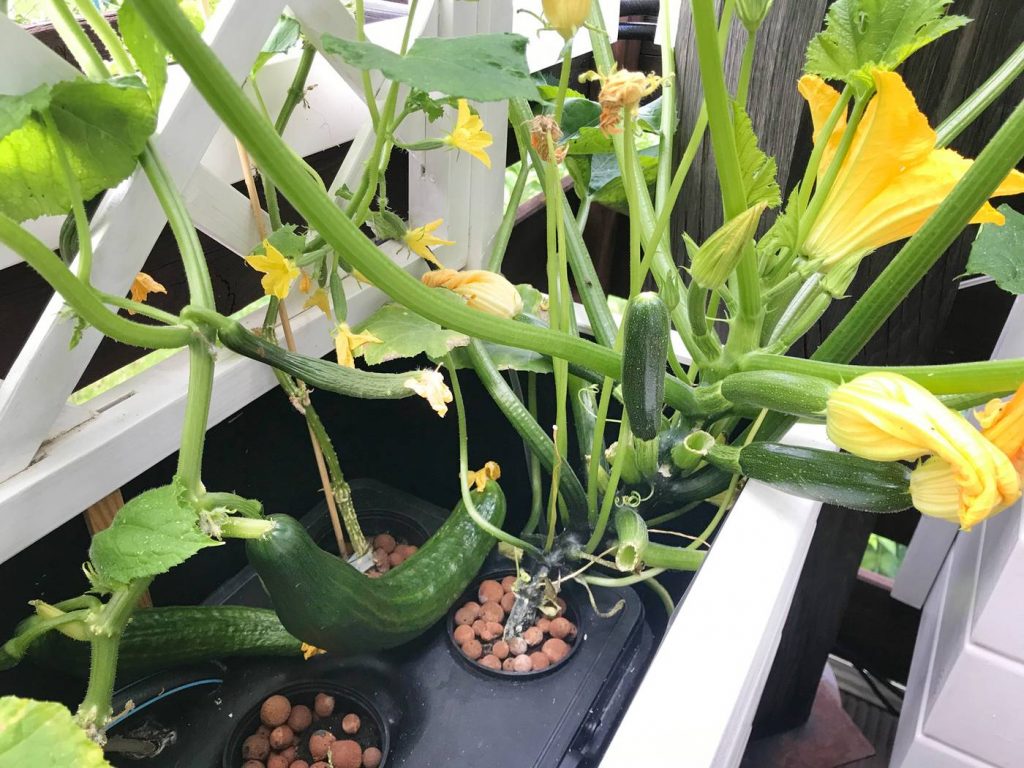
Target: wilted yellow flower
{"type": "Point", "coordinates": [487, 291]}
{"type": "Point", "coordinates": [566, 16]}
{"type": "Point", "coordinates": [309, 651]}
{"type": "Point", "coordinates": [489, 471]}
{"type": "Point", "coordinates": [887, 417]}
{"type": "Point", "coordinates": [318, 298]}
{"type": "Point", "coordinates": [142, 286]}
{"type": "Point", "coordinates": [542, 129]}
{"type": "Point", "coordinates": [469, 135]}
{"type": "Point", "coordinates": [431, 387]}
{"type": "Point", "coordinates": [1002, 424]}
{"type": "Point", "coordinates": [346, 342]}
{"type": "Point", "coordinates": [419, 240]}
{"type": "Point", "coordinates": [621, 90]}
{"type": "Point", "coordinates": [278, 271]}
{"type": "Point", "coordinates": [891, 180]}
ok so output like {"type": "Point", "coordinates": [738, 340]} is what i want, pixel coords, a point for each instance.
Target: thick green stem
{"type": "Point", "coordinates": [368, 95]}
{"type": "Point", "coordinates": [197, 413]}
{"type": "Point", "coordinates": [811, 171]}
{"type": "Point", "coordinates": [981, 99]}
{"type": "Point", "coordinates": [673, 558]}
{"type": "Point", "coordinates": [533, 462]}
{"type": "Point", "coordinates": [956, 378]}
{"type": "Point", "coordinates": [922, 250]}
{"type": "Point", "coordinates": [82, 299]}
{"type": "Point", "coordinates": [106, 34]}
{"type": "Point", "coordinates": [246, 528]}
{"type": "Point", "coordinates": [563, 83]}
{"type": "Point", "coordinates": [138, 308]}
{"type": "Point", "coordinates": [508, 220]}
{"type": "Point", "coordinates": [611, 491]}
{"type": "Point", "coordinates": [74, 37]}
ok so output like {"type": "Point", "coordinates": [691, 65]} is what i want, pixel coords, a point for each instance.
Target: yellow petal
{"type": "Point", "coordinates": [1003, 426]}
{"type": "Point", "coordinates": [821, 99]}
{"type": "Point", "coordinates": [469, 134]}
{"type": "Point", "coordinates": [346, 342]}
{"type": "Point", "coordinates": [420, 239]}
{"type": "Point", "coordinates": [142, 286]}
{"type": "Point", "coordinates": [309, 651]}
{"type": "Point", "coordinates": [483, 290]}
{"type": "Point", "coordinates": [431, 387]}
{"type": "Point", "coordinates": [566, 16]}
{"type": "Point", "coordinates": [489, 471]}
{"type": "Point", "coordinates": [278, 272]}
{"type": "Point", "coordinates": [319, 299]}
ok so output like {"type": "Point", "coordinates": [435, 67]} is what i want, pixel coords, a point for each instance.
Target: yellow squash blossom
{"type": "Point", "coordinates": [566, 16]}
{"type": "Point", "coordinates": [431, 387]}
{"type": "Point", "coordinates": [933, 484]}
{"type": "Point", "coordinates": [489, 471]}
{"type": "Point", "coordinates": [887, 417]}
{"type": "Point", "coordinates": [346, 342]}
{"type": "Point", "coordinates": [419, 240]}
{"type": "Point", "coordinates": [278, 271]}
{"type": "Point", "coordinates": [621, 90]}
{"type": "Point", "coordinates": [142, 286]}
{"type": "Point", "coordinates": [892, 178]}
{"type": "Point", "coordinates": [469, 135]}
{"type": "Point", "coordinates": [487, 291]}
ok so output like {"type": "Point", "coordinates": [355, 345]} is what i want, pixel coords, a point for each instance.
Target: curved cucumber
{"type": "Point", "coordinates": [157, 638]}
{"type": "Point", "coordinates": [327, 603]}
{"type": "Point", "coordinates": [645, 337]}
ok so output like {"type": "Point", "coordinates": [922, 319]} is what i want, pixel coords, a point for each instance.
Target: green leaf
{"type": "Point", "coordinates": [533, 300]}
{"type": "Point", "coordinates": [151, 534]}
{"type": "Point", "coordinates": [149, 53]}
{"type": "Point", "coordinates": [478, 67]}
{"type": "Point", "coordinates": [103, 125]}
{"type": "Point", "coordinates": [590, 141]}
{"type": "Point", "coordinates": [285, 34]}
{"type": "Point", "coordinates": [758, 168]}
{"type": "Point", "coordinates": [549, 93]}
{"type": "Point", "coordinates": [43, 733]}
{"type": "Point", "coordinates": [606, 183]}
{"type": "Point", "coordinates": [286, 240]}
{"type": "Point", "coordinates": [649, 116]}
{"type": "Point", "coordinates": [15, 110]}
{"type": "Point", "coordinates": [577, 114]}
{"type": "Point", "coordinates": [861, 35]}
{"type": "Point", "coordinates": [431, 107]}
{"type": "Point", "coordinates": [403, 333]}
{"type": "Point", "coordinates": [999, 252]}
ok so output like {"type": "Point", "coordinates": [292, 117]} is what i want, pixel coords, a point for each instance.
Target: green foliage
{"type": "Point", "coordinates": [151, 534]}
{"type": "Point", "coordinates": [43, 733]}
{"type": "Point", "coordinates": [15, 110]}
{"type": "Point", "coordinates": [478, 67]}
{"type": "Point", "coordinates": [149, 54]}
{"type": "Point", "coordinates": [861, 35]}
{"type": "Point", "coordinates": [758, 169]}
{"type": "Point", "coordinates": [428, 105]}
{"type": "Point", "coordinates": [578, 114]}
{"type": "Point", "coordinates": [403, 333]}
{"type": "Point", "coordinates": [715, 260]}
{"type": "Point", "coordinates": [285, 34]}
{"type": "Point", "coordinates": [883, 556]}
{"type": "Point", "coordinates": [999, 252]}
{"type": "Point", "coordinates": [103, 126]}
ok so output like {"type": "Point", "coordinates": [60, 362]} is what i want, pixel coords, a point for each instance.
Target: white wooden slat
{"type": "Point", "coordinates": [125, 228]}
{"type": "Point", "coordinates": [222, 212]}
{"type": "Point", "coordinates": [697, 700]}
{"type": "Point", "coordinates": [138, 423]}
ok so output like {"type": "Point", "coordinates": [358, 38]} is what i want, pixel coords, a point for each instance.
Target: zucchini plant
{"type": "Point", "coordinates": [657, 436]}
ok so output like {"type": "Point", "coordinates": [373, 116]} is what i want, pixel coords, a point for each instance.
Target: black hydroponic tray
{"type": "Point", "coordinates": [436, 707]}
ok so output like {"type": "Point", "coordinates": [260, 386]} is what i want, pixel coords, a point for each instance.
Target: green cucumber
{"type": "Point", "coordinates": [320, 374]}
{"type": "Point", "coordinates": [645, 346]}
{"type": "Point", "coordinates": [826, 476]}
{"type": "Point", "coordinates": [326, 602]}
{"type": "Point", "coordinates": [157, 638]}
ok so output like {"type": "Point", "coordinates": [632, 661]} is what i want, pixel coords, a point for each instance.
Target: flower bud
{"type": "Point", "coordinates": [713, 262]}
{"type": "Point", "coordinates": [753, 12]}
{"type": "Point", "coordinates": [566, 16]}
{"type": "Point", "coordinates": [483, 290]}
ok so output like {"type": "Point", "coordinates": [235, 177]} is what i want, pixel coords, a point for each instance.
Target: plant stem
{"type": "Point", "coordinates": [138, 308]}
{"type": "Point", "coordinates": [597, 449]}
{"type": "Point", "coordinates": [74, 37]}
{"type": "Point", "coordinates": [246, 528]}
{"type": "Point", "coordinates": [83, 300]}
{"type": "Point", "coordinates": [508, 220]}
{"type": "Point", "coordinates": [197, 412]}
{"type": "Point", "coordinates": [622, 581]}
{"type": "Point", "coordinates": [746, 69]}
{"type": "Point", "coordinates": [106, 34]}
{"type": "Point", "coordinates": [368, 95]}
{"type": "Point", "coordinates": [981, 99]}
{"type": "Point", "coordinates": [563, 82]}
{"type": "Point", "coordinates": [923, 249]}
{"type": "Point", "coordinates": [662, 593]}
{"type": "Point", "coordinates": [811, 172]}
{"type": "Point", "coordinates": [533, 462]}
{"type": "Point", "coordinates": [77, 206]}
{"type": "Point", "coordinates": [609, 495]}
{"type": "Point", "coordinates": [467, 500]}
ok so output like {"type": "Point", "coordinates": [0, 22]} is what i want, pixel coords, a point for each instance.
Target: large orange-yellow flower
{"type": "Point", "coordinates": [469, 134]}
{"type": "Point", "coordinates": [891, 180]}
{"type": "Point", "coordinates": [887, 417]}
{"type": "Point", "coordinates": [487, 291]}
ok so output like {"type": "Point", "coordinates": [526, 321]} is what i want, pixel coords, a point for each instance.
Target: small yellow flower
{"type": "Point", "coordinates": [483, 290]}
{"type": "Point", "coordinates": [891, 180]}
{"type": "Point", "coordinates": [420, 239]}
{"type": "Point", "coordinates": [489, 471]}
{"type": "Point", "coordinates": [887, 417]}
{"type": "Point", "coordinates": [142, 286]}
{"type": "Point", "coordinates": [309, 651]}
{"type": "Point", "coordinates": [278, 272]}
{"type": "Point", "coordinates": [621, 90]}
{"type": "Point", "coordinates": [566, 16]}
{"type": "Point", "coordinates": [346, 342]}
{"type": "Point", "coordinates": [431, 387]}
{"type": "Point", "coordinates": [318, 298]}
{"type": "Point", "coordinates": [469, 135]}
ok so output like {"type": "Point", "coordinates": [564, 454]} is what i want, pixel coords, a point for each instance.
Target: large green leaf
{"type": "Point", "coordinates": [103, 127]}
{"type": "Point", "coordinates": [577, 114]}
{"type": "Point", "coordinates": [151, 534]}
{"type": "Point", "coordinates": [478, 67]}
{"type": "Point", "coordinates": [43, 734]}
{"type": "Point", "coordinates": [999, 252]}
{"type": "Point", "coordinates": [403, 333]}
{"type": "Point", "coordinates": [149, 53]}
{"type": "Point", "coordinates": [758, 169]}
{"type": "Point", "coordinates": [606, 184]}
{"type": "Point", "coordinates": [15, 110]}
{"type": "Point", "coordinates": [285, 34]}
{"type": "Point", "coordinates": [861, 35]}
